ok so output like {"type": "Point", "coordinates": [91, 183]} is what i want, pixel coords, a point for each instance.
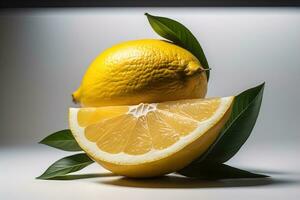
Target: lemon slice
{"type": "Point", "coordinates": [149, 139]}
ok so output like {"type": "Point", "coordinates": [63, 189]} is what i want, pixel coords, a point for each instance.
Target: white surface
{"type": "Point", "coordinates": [19, 166]}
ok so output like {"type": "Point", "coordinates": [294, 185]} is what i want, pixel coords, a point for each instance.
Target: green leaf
{"type": "Point", "coordinates": [67, 165]}
{"type": "Point", "coordinates": [63, 140]}
{"type": "Point", "coordinates": [180, 35]}
{"type": "Point", "coordinates": [82, 176]}
{"type": "Point", "coordinates": [238, 128]}
{"type": "Point", "coordinates": [217, 171]}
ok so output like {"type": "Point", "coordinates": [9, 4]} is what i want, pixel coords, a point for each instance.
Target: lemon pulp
{"type": "Point", "coordinates": [149, 139]}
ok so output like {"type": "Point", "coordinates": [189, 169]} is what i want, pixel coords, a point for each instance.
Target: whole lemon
{"type": "Point", "coordinates": [147, 71]}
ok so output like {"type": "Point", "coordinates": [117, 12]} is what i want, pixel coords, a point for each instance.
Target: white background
{"type": "Point", "coordinates": [45, 52]}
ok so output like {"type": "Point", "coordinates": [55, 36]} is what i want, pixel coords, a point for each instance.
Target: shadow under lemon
{"type": "Point", "coordinates": [174, 181]}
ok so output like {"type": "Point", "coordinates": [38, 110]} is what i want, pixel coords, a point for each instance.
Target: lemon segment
{"type": "Point", "coordinates": [149, 139]}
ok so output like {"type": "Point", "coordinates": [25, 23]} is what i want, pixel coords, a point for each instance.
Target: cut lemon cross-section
{"type": "Point", "coordinates": [149, 139]}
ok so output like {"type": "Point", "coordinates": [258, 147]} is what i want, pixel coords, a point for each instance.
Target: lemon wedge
{"type": "Point", "coordinates": [147, 140]}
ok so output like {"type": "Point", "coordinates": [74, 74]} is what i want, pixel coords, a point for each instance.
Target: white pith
{"type": "Point", "coordinates": [141, 109]}
{"type": "Point", "coordinates": [122, 158]}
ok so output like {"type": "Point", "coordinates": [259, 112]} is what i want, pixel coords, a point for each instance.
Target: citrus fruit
{"type": "Point", "coordinates": [152, 139]}
{"type": "Point", "coordinates": [141, 71]}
